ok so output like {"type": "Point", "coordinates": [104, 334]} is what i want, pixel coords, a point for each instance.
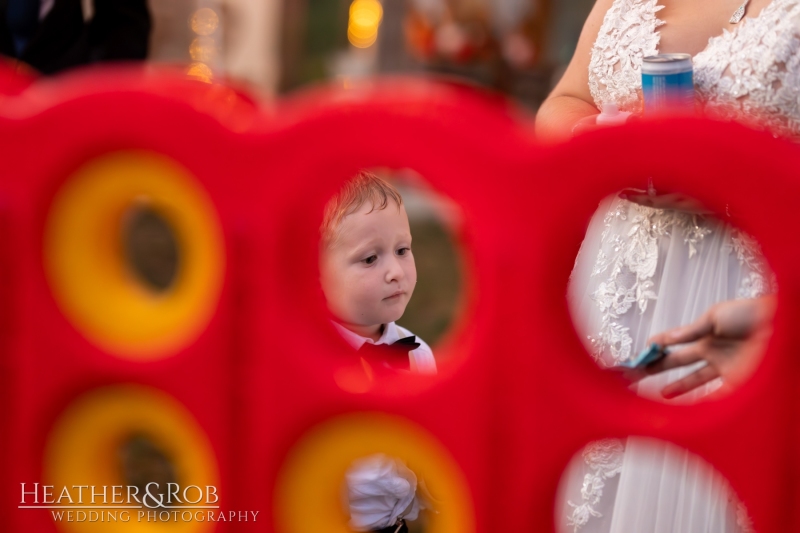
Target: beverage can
{"type": "Point", "coordinates": [668, 83]}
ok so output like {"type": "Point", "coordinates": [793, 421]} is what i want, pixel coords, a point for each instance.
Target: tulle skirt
{"type": "Point", "coordinates": [641, 271]}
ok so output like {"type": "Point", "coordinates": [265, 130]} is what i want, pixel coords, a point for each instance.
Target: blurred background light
{"type": "Point", "coordinates": [204, 21]}
{"type": "Point", "coordinates": [200, 72]}
{"type": "Point", "coordinates": [365, 19]}
{"type": "Point", "coordinates": [203, 49]}
{"type": "Point", "coordinates": [518, 47]}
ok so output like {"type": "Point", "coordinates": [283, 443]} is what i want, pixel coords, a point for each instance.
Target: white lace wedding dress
{"type": "Point", "coordinates": [642, 270]}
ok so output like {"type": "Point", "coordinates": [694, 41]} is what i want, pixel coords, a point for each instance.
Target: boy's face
{"type": "Point", "coordinates": [368, 272]}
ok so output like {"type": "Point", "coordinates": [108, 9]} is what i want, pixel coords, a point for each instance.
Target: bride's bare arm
{"type": "Point", "coordinates": [570, 101]}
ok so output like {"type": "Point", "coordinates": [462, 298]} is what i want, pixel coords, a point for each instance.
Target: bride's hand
{"type": "Point", "coordinates": [730, 337]}
{"type": "Point", "coordinates": [675, 200]}
{"type": "Point", "coordinates": [586, 124]}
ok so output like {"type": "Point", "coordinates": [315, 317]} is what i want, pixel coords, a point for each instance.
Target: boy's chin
{"type": "Point", "coordinates": [380, 317]}
{"type": "Point", "coordinates": [387, 317]}
{"type": "Point", "coordinates": [394, 311]}
{"type": "Point", "coordinates": [394, 317]}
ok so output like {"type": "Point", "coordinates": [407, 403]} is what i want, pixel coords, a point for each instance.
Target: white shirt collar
{"type": "Point", "coordinates": [390, 335]}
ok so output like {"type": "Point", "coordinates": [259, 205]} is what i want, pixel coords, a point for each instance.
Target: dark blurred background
{"type": "Point", "coordinates": [515, 46]}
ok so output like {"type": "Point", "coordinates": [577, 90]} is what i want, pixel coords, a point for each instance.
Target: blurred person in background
{"type": "Point", "coordinates": [53, 35]}
{"type": "Point", "coordinates": [652, 262]}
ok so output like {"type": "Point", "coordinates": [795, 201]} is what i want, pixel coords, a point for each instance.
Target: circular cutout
{"type": "Point", "coordinates": [392, 275]}
{"type": "Point", "coordinates": [673, 298]}
{"type": "Point", "coordinates": [313, 475]}
{"type": "Point", "coordinates": [128, 300]}
{"type": "Point", "coordinates": [645, 484]}
{"type": "Point", "coordinates": [87, 445]}
{"type": "Point", "coordinates": [143, 462]}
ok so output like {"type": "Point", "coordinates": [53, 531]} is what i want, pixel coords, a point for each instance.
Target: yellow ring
{"type": "Point", "coordinates": [83, 444]}
{"type": "Point", "coordinates": [87, 270]}
{"type": "Point", "coordinates": [309, 487]}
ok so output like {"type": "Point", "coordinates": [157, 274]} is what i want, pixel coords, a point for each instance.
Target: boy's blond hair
{"type": "Point", "coordinates": [364, 187]}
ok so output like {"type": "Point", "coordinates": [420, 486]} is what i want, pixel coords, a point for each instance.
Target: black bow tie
{"type": "Point", "coordinates": [393, 355]}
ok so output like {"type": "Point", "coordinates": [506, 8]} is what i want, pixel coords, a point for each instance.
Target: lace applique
{"type": "Point", "coordinates": [604, 459]}
{"type": "Point", "coordinates": [753, 72]}
{"type": "Point", "coordinates": [759, 281]}
{"type": "Point", "coordinates": [627, 35]}
{"type": "Point", "coordinates": [633, 258]}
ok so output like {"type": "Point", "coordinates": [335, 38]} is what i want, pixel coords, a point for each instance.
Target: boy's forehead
{"type": "Point", "coordinates": [368, 223]}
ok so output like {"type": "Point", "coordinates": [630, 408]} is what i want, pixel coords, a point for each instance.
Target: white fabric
{"type": "Point", "coordinates": [380, 490]}
{"type": "Point", "coordinates": [642, 270]}
{"type": "Point", "coordinates": [421, 359]}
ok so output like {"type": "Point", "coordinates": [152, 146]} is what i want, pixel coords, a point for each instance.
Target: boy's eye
{"type": "Point", "coordinates": [371, 259]}
{"type": "Point", "coordinates": [403, 251]}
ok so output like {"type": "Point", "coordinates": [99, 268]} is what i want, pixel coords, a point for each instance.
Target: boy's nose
{"type": "Point", "coordinates": [394, 272]}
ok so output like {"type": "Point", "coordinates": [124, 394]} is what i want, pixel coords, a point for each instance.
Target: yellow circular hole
{"type": "Point", "coordinates": [121, 436]}
{"type": "Point", "coordinates": [309, 493]}
{"type": "Point", "coordinates": [91, 277]}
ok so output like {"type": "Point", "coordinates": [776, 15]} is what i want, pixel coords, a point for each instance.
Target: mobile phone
{"type": "Point", "coordinates": [651, 354]}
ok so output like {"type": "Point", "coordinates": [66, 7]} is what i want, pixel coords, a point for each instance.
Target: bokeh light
{"type": "Point", "coordinates": [365, 18]}
{"type": "Point", "coordinates": [200, 72]}
{"type": "Point", "coordinates": [204, 21]}
{"type": "Point", "coordinates": [203, 49]}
